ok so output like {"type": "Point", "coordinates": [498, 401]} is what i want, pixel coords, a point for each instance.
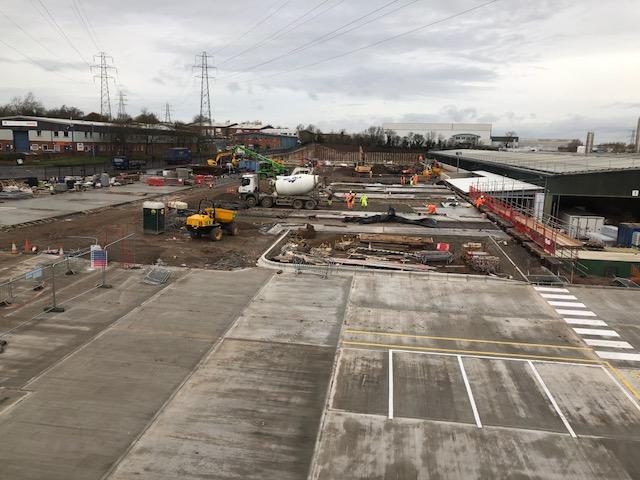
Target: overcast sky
{"type": "Point", "coordinates": [543, 68]}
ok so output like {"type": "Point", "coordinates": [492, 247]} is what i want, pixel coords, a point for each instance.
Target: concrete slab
{"type": "Point", "coordinates": [251, 412]}
{"type": "Point", "coordinates": [619, 309]}
{"type": "Point", "coordinates": [85, 411]}
{"type": "Point", "coordinates": [507, 394]}
{"type": "Point", "coordinates": [451, 312]}
{"type": "Point", "coordinates": [48, 206]}
{"type": "Point", "coordinates": [369, 447]}
{"type": "Point", "coordinates": [591, 401]}
{"type": "Point", "coordinates": [296, 309]}
{"type": "Point", "coordinates": [362, 382]}
{"type": "Point", "coordinates": [430, 387]}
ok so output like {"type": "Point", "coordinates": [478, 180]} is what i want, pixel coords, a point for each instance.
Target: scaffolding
{"type": "Point", "coordinates": [545, 231]}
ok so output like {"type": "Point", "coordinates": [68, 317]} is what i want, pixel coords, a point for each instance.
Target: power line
{"type": "Point", "coordinates": [384, 40]}
{"type": "Point", "coordinates": [17, 25]}
{"type": "Point", "coordinates": [34, 62]}
{"type": "Point", "coordinates": [253, 27]}
{"type": "Point", "coordinates": [84, 23]}
{"type": "Point", "coordinates": [321, 39]}
{"type": "Point", "coordinates": [313, 17]}
{"type": "Point", "coordinates": [62, 33]}
{"type": "Point", "coordinates": [259, 43]}
{"type": "Point", "coordinates": [86, 17]}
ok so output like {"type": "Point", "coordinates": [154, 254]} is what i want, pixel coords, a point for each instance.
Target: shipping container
{"type": "Point", "coordinates": [625, 233]}
{"type": "Point", "coordinates": [579, 226]}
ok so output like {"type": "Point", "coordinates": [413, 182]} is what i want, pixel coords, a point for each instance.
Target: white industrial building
{"type": "Point", "coordinates": [476, 133]}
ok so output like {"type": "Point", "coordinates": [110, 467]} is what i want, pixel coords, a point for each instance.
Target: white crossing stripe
{"type": "Point", "coordinates": [551, 399]}
{"type": "Point", "coordinates": [607, 343]}
{"type": "Point", "coordinates": [558, 296]}
{"type": "Point", "coordinates": [556, 303]}
{"type": "Point", "coordinates": [583, 313]}
{"type": "Point", "coordinates": [585, 321]}
{"type": "Point", "coordinates": [630, 357]}
{"type": "Point", "coordinates": [596, 331]}
{"type": "Point", "coordinates": [551, 289]}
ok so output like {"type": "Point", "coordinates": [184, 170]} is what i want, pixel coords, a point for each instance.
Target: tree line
{"type": "Point", "coordinates": [29, 105]}
{"type": "Point", "coordinates": [374, 136]}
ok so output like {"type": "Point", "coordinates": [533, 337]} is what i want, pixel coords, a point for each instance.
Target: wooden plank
{"type": "Point", "coordinates": [412, 240]}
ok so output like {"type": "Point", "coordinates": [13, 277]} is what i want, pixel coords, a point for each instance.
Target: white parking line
{"type": "Point", "coordinates": [555, 303]}
{"type": "Point", "coordinates": [390, 384]}
{"type": "Point", "coordinates": [607, 343]}
{"type": "Point", "coordinates": [583, 313]}
{"type": "Point", "coordinates": [551, 399]}
{"type": "Point", "coordinates": [556, 296]}
{"type": "Point", "coordinates": [596, 331]}
{"type": "Point", "coordinates": [629, 357]}
{"type": "Point", "coordinates": [585, 321]}
{"type": "Point", "coordinates": [470, 393]}
{"type": "Point", "coordinates": [551, 289]}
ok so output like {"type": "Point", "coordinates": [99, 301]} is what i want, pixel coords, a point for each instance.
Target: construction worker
{"type": "Point", "coordinates": [364, 200]}
{"type": "Point", "coordinates": [349, 197]}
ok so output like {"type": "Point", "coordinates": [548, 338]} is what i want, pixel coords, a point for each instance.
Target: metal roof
{"type": "Point", "coordinates": [490, 182]}
{"type": "Point", "coordinates": [89, 123]}
{"type": "Point", "coordinates": [552, 163]}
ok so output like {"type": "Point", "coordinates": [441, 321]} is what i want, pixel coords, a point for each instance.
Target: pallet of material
{"type": "Point", "coordinates": [387, 238]}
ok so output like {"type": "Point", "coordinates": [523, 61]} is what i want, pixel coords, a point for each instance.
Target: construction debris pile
{"type": "Point", "coordinates": [383, 251]}
{"type": "Point", "coordinates": [479, 260]}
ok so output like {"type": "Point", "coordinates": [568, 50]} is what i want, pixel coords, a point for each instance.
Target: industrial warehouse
{"type": "Point", "coordinates": [319, 240]}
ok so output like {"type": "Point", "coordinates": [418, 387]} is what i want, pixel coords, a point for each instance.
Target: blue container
{"type": "Point", "coordinates": [625, 233]}
{"type": "Point", "coordinates": [248, 165]}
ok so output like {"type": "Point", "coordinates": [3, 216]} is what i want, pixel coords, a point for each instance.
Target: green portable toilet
{"type": "Point", "coordinates": [153, 217]}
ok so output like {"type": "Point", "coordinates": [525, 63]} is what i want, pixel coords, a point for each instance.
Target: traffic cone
{"type": "Point", "coordinates": [14, 249]}
{"type": "Point", "coordinates": [27, 246]}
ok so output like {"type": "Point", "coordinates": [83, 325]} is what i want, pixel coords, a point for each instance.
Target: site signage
{"type": "Point", "coordinates": [19, 123]}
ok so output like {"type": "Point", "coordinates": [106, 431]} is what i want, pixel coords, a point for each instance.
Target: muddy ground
{"type": "Point", "coordinates": [174, 247]}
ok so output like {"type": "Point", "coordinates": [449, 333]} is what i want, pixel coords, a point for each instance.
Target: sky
{"type": "Point", "coordinates": [541, 68]}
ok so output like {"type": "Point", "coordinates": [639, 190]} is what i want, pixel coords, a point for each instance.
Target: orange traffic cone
{"type": "Point", "coordinates": [27, 246]}
{"type": "Point", "coordinates": [14, 249]}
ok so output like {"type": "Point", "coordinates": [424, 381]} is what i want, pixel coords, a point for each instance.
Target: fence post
{"type": "Point", "coordinates": [54, 307]}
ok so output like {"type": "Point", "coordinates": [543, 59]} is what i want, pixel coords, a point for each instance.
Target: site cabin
{"type": "Point", "coordinates": [264, 194]}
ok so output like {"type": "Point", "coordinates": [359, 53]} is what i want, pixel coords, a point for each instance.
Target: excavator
{"type": "Point", "coordinates": [210, 222]}
{"type": "Point", "coordinates": [432, 172]}
{"type": "Point", "coordinates": [220, 156]}
{"type": "Point", "coordinates": [362, 167]}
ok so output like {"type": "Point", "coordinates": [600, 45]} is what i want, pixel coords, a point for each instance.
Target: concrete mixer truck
{"type": "Point", "coordinates": [296, 191]}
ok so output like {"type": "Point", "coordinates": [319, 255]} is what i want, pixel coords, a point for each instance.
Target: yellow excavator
{"type": "Point", "coordinates": [361, 166]}
{"type": "Point", "coordinates": [432, 172]}
{"type": "Point", "coordinates": [217, 162]}
{"type": "Point", "coordinates": [211, 222]}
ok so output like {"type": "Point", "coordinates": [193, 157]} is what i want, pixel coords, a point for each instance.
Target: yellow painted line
{"type": "Point", "coordinates": [469, 340]}
{"type": "Point", "coordinates": [472, 352]}
{"type": "Point", "coordinates": [623, 380]}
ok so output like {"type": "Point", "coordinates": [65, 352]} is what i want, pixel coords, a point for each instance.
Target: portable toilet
{"type": "Point", "coordinates": [153, 214]}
